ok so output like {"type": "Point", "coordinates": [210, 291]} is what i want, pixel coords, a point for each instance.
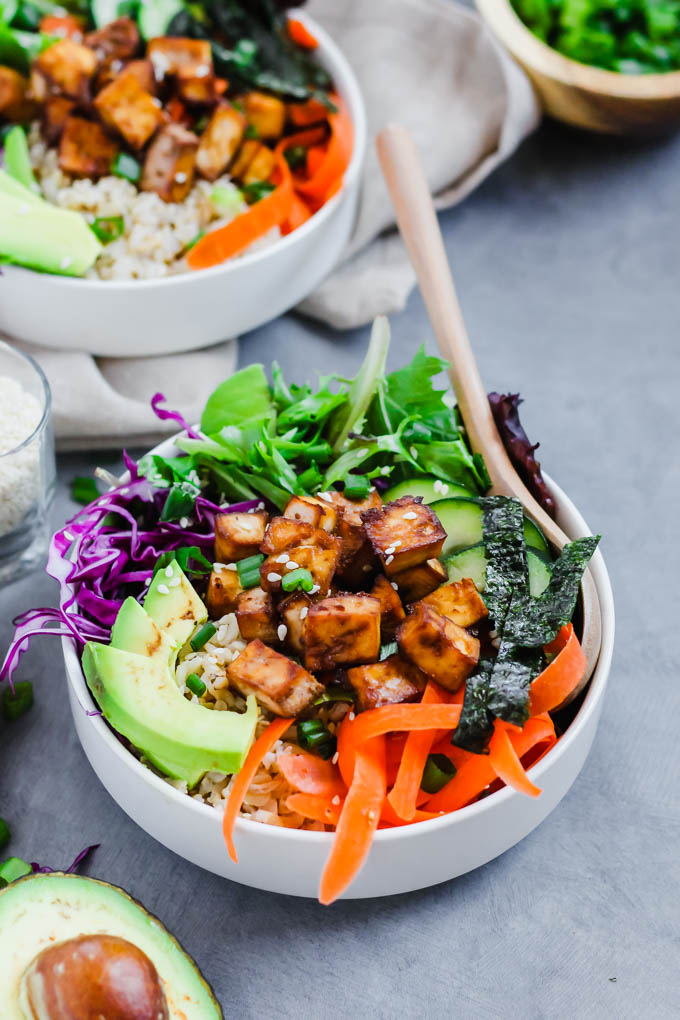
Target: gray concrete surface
{"type": "Point", "coordinates": [567, 267]}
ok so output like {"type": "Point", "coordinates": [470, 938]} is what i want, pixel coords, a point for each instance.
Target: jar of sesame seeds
{"type": "Point", "coordinates": [27, 466]}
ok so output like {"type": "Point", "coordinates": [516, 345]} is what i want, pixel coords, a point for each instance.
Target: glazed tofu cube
{"type": "Point", "coordinates": [267, 114]}
{"type": "Point", "coordinates": [142, 70]}
{"type": "Point", "coordinates": [277, 682]}
{"type": "Point", "coordinates": [219, 142]}
{"type": "Point", "coordinates": [119, 40]}
{"type": "Point", "coordinates": [320, 561]}
{"type": "Point", "coordinates": [125, 106]}
{"type": "Point", "coordinates": [196, 84]}
{"type": "Point", "coordinates": [169, 164]}
{"type": "Point", "coordinates": [224, 587]}
{"type": "Point", "coordinates": [168, 54]}
{"type": "Point", "coordinates": [459, 601]}
{"type": "Point", "coordinates": [85, 149]}
{"type": "Point", "coordinates": [330, 515]}
{"type": "Point", "coordinates": [285, 532]}
{"type": "Point", "coordinates": [66, 67]}
{"type": "Point", "coordinates": [13, 88]}
{"type": "Point", "coordinates": [358, 571]}
{"type": "Point", "coordinates": [404, 533]}
{"type": "Point", "coordinates": [239, 535]}
{"type": "Point", "coordinates": [417, 582]}
{"type": "Point", "coordinates": [438, 646]}
{"type": "Point", "coordinates": [293, 612]}
{"type": "Point", "coordinates": [260, 167]}
{"type": "Point", "coordinates": [305, 510]}
{"type": "Point", "coordinates": [56, 112]}
{"type": "Point", "coordinates": [391, 609]}
{"type": "Point", "coordinates": [256, 616]}
{"type": "Point", "coordinates": [351, 527]}
{"type": "Point", "coordinates": [342, 630]}
{"type": "Point", "coordinates": [244, 157]}
{"type": "Point", "coordinates": [386, 683]}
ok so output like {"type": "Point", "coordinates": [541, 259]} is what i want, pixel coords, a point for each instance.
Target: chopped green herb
{"type": "Point", "coordinates": [196, 685]}
{"type": "Point", "coordinates": [226, 200]}
{"type": "Point", "coordinates": [84, 490]}
{"type": "Point", "coordinates": [256, 190]}
{"type": "Point", "coordinates": [296, 156]}
{"type": "Point", "coordinates": [108, 228]}
{"type": "Point", "coordinates": [17, 703]}
{"type": "Point", "coordinates": [437, 772]}
{"type": "Point", "coordinates": [195, 239]}
{"type": "Point", "coordinates": [202, 636]}
{"type": "Point", "coordinates": [126, 166]}
{"type": "Point", "coordinates": [298, 579]}
{"type": "Point", "coordinates": [357, 486]}
{"type": "Point", "coordinates": [333, 694]}
{"type": "Point", "coordinates": [180, 501]}
{"type": "Point", "coordinates": [314, 736]}
{"type": "Point", "coordinates": [5, 834]}
{"type": "Point", "coordinates": [251, 132]}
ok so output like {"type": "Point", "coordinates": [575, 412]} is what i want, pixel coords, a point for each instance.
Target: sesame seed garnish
{"type": "Point", "coordinates": [390, 550]}
{"type": "Point", "coordinates": [388, 560]}
{"type": "Point", "coordinates": [335, 759]}
{"type": "Point", "coordinates": [314, 589]}
{"type": "Point", "coordinates": [351, 716]}
{"type": "Point", "coordinates": [413, 452]}
{"type": "Point", "coordinates": [410, 516]}
{"type": "Point", "coordinates": [180, 177]}
{"type": "Point", "coordinates": [283, 558]}
{"type": "Point", "coordinates": [169, 571]}
{"type": "Point", "coordinates": [260, 506]}
{"type": "Point", "coordinates": [156, 102]}
{"type": "Point", "coordinates": [282, 630]}
{"type": "Point", "coordinates": [229, 566]}
{"type": "Point", "coordinates": [251, 511]}
{"type": "Point", "coordinates": [273, 577]}
{"type": "Point", "coordinates": [444, 488]}
{"type": "Point", "coordinates": [437, 486]}
{"type": "Point", "coordinates": [68, 535]}
{"type": "Point", "coordinates": [303, 612]}
{"type": "Point", "coordinates": [163, 589]}
{"type": "Point", "coordinates": [385, 471]}
{"type": "Point", "coordinates": [184, 522]}
{"type": "Point", "coordinates": [397, 543]}
{"type": "Point", "coordinates": [175, 583]}
{"type": "Point", "coordinates": [394, 585]}
{"type": "Point", "coordinates": [124, 491]}
{"type": "Point", "coordinates": [292, 565]}
{"type": "Point", "coordinates": [336, 799]}
{"type": "Point", "coordinates": [147, 582]}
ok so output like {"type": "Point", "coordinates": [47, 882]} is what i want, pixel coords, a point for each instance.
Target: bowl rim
{"type": "Point", "coordinates": [590, 706]}
{"type": "Point", "coordinates": [348, 86]}
{"type": "Point", "coordinates": [526, 47]}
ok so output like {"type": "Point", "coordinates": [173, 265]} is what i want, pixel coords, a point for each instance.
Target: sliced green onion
{"type": "Point", "coordinates": [13, 868]}
{"type": "Point", "coordinates": [249, 570]}
{"type": "Point", "coordinates": [250, 579]}
{"type": "Point", "coordinates": [438, 771]}
{"type": "Point", "coordinates": [314, 736]}
{"type": "Point", "coordinates": [390, 648]}
{"type": "Point", "coordinates": [108, 228]}
{"type": "Point", "coordinates": [296, 156]}
{"type": "Point", "coordinates": [126, 166]}
{"type": "Point", "coordinates": [16, 704]}
{"type": "Point", "coordinates": [84, 490]}
{"type": "Point", "coordinates": [310, 479]}
{"type": "Point", "coordinates": [296, 579]}
{"type": "Point", "coordinates": [251, 132]}
{"type": "Point", "coordinates": [357, 487]}
{"type": "Point", "coordinates": [256, 190]}
{"type": "Point", "coordinates": [195, 239]}
{"type": "Point", "coordinates": [333, 694]}
{"type": "Point", "coordinates": [202, 636]}
{"type": "Point", "coordinates": [4, 833]}
{"type": "Point", "coordinates": [250, 562]}
{"type": "Point", "coordinates": [201, 123]}
{"type": "Point", "coordinates": [226, 200]}
{"type": "Point", "coordinates": [196, 685]}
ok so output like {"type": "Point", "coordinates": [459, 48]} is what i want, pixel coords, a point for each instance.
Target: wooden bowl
{"type": "Point", "coordinates": [584, 96]}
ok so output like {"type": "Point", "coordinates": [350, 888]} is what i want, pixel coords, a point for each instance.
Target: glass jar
{"type": "Point", "coordinates": [27, 465]}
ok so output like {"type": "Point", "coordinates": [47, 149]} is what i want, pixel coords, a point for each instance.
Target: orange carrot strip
{"type": "Point", "coordinates": [301, 35]}
{"type": "Point", "coordinates": [299, 214]}
{"type": "Point", "coordinates": [404, 717]}
{"type": "Point", "coordinates": [389, 815]}
{"type": "Point", "coordinates": [262, 745]}
{"type": "Point", "coordinates": [219, 245]}
{"type": "Point", "coordinates": [559, 679]}
{"type": "Point", "coordinates": [505, 761]}
{"type": "Point", "coordinates": [358, 821]}
{"type": "Point", "coordinates": [336, 158]}
{"type": "Point", "coordinates": [304, 114]}
{"type": "Point", "coordinates": [315, 157]}
{"type": "Point", "coordinates": [402, 796]}
{"type": "Point", "coordinates": [317, 807]}
{"type": "Point", "coordinates": [346, 748]}
{"type": "Point", "coordinates": [310, 774]}
{"type": "Point", "coordinates": [303, 139]}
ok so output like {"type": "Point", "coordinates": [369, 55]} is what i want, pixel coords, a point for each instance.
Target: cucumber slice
{"type": "Point", "coordinates": [156, 15]}
{"type": "Point", "coordinates": [471, 563]}
{"type": "Point", "coordinates": [534, 537]}
{"type": "Point", "coordinates": [424, 486]}
{"type": "Point", "coordinates": [463, 522]}
{"type": "Point", "coordinates": [105, 11]}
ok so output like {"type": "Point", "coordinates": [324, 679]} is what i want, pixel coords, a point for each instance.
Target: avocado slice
{"type": "Point", "coordinates": [41, 236]}
{"type": "Point", "coordinates": [173, 604]}
{"type": "Point", "coordinates": [18, 158]}
{"type": "Point", "coordinates": [135, 631]}
{"type": "Point", "coordinates": [43, 910]}
{"type": "Point", "coordinates": [139, 697]}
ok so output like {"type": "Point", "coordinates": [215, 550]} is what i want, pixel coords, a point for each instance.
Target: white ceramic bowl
{"type": "Point", "coordinates": [195, 309]}
{"type": "Point", "coordinates": [401, 859]}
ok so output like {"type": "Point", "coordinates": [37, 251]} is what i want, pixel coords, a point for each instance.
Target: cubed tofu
{"type": "Point", "coordinates": [331, 515]}
{"type": "Point", "coordinates": [342, 630]}
{"type": "Point", "coordinates": [119, 40]}
{"type": "Point", "coordinates": [358, 570]}
{"type": "Point", "coordinates": [256, 616]}
{"type": "Point", "coordinates": [404, 533]}
{"type": "Point", "coordinates": [320, 561]}
{"type": "Point", "coordinates": [267, 114]}
{"type": "Point", "coordinates": [278, 683]}
{"type": "Point", "coordinates": [305, 510]}
{"type": "Point", "coordinates": [142, 70]}
{"type": "Point", "coordinates": [85, 149]}
{"type": "Point", "coordinates": [239, 535]}
{"type": "Point", "coordinates": [67, 67]}
{"type": "Point", "coordinates": [293, 612]}
{"type": "Point", "coordinates": [245, 155]}
{"type": "Point", "coordinates": [224, 587]}
{"type": "Point", "coordinates": [126, 107]}
{"type": "Point", "coordinates": [389, 682]}
{"type": "Point", "coordinates": [13, 87]}
{"type": "Point", "coordinates": [56, 112]}
{"type": "Point", "coordinates": [196, 84]}
{"type": "Point", "coordinates": [417, 582]}
{"type": "Point", "coordinates": [391, 609]}
{"type": "Point", "coordinates": [285, 532]}
{"type": "Point", "coordinates": [459, 601]}
{"type": "Point", "coordinates": [261, 166]}
{"type": "Point", "coordinates": [438, 646]}
{"type": "Point", "coordinates": [169, 164]}
{"type": "Point", "coordinates": [219, 142]}
{"type": "Point", "coordinates": [350, 526]}
{"type": "Point", "coordinates": [168, 54]}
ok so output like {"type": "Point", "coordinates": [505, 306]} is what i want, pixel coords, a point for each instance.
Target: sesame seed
{"type": "Point", "coordinates": [184, 522]}
{"type": "Point", "coordinates": [437, 486]}
{"type": "Point", "coordinates": [397, 543]}
{"type": "Point", "coordinates": [335, 758]}
{"type": "Point", "coordinates": [202, 71]}
{"type": "Point", "coordinates": [180, 177]}
{"type": "Point", "coordinates": [315, 588]}
{"type": "Point", "coordinates": [371, 816]}
{"type": "Point", "coordinates": [68, 535]}
{"type": "Point", "coordinates": [65, 262]}
{"type": "Point", "coordinates": [394, 585]}
{"type": "Point", "coordinates": [124, 491]}
{"type": "Point", "coordinates": [292, 565]}
{"type": "Point", "coordinates": [156, 102]}
{"type": "Point", "coordinates": [260, 506]}
{"type": "Point", "coordinates": [410, 516]}
{"type": "Point", "coordinates": [273, 577]}
{"type": "Point", "coordinates": [388, 560]}
{"type": "Point", "coordinates": [413, 452]}
{"type": "Point", "coordinates": [175, 583]}
{"type": "Point", "coordinates": [163, 589]}
{"type": "Point", "coordinates": [283, 558]}
{"type": "Point", "coordinates": [282, 630]}
{"type": "Point", "coordinates": [336, 799]}
{"type": "Point", "coordinates": [444, 488]}
{"type": "Point", "coordinates": [229, 566]}
{"type": "Point", "coordinates": [147, 582]}
{"type": "Point", "coordinates": [390, 550]}
{"type": "Point", "coordinates": [169, 572]}
{"type": "Point", "coordinates": [351, 716]}
{"type": "Point", "coordinates": [385, 470]}
{"type": "Point", "coordinates": [303, 612]}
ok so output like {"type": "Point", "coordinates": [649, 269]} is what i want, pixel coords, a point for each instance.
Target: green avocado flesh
{"type": "Point", "coordinates": [133, 681]}
{"type": "Point", "coordinates": [41, 910]}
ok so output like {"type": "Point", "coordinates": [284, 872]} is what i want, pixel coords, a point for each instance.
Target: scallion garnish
{"type": "Point", "coordinates": [314, 736]}
{"type": "Point", "coordinates": [13, 868]}
{"type": "Point", "coordinates": [438, 771]}
{"type": "Point", "coordinates": [202, 636]}
{"type": "Point", "coordinates": [251, 132]}
{"type": "Point", "coordinates": [390, 648]}
{"type": "Point", "coordinates": [296, 156]}
{"type": "Point", "coordinates": [196, 685]}
{"type": "Point", "coordinates": [84, 490]}
{"type": "Point", "coordinates": [226, 200]}
{"type": "Point", "coordinates": [108, 228]}
{"type": "Point", "coordinates": [126, 166]}
{"type": "Point", "coordinates": [195, 239]}
{"type": "Point", "coordinates": [4, 833]}
{"type": "Point", "coordinates": [333, 694]}
{"type": "Point", "coordinates": [357, 487]}
{"type": "Point", "coordinates": [256, 190]}
{"type": "Point", "coordinates": [16, 703]}
{"type": "Point", "coordinates": [298, 579]}
{"type": "Point", "coordinates": [249, 570]}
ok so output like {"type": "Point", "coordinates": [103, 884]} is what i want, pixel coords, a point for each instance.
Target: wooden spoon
{"type": "Point", "coordinates": [419, 228]}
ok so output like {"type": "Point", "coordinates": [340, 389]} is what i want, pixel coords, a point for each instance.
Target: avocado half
{"type": "Point", "coordinates": [41, 910]}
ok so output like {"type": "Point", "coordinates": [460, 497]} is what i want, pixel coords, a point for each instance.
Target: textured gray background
{"type": "Point", "coordinates": [567, 267]}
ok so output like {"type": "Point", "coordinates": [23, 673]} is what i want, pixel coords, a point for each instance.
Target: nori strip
{"type": "Point", "coordinates": [475, 725]}
{"type": "Point", "coordinates": [506, 567]}
{"type": "Point", "coordinates": [513, 671]}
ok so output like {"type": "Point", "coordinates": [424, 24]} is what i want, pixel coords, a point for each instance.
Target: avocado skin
{"type": "Point", "coordinates": [27, 895]}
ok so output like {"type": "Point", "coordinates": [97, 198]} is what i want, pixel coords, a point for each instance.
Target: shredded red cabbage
{"type": "Point", "coordinates": [166, 415]}
{"type": "Point", "coordinates": [44, 869]}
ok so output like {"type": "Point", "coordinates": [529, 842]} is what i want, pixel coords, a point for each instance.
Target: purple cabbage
{"type": "Point", "coordinates": [44, 869]}
{"type": "Point", "coordinates": [175, 416]}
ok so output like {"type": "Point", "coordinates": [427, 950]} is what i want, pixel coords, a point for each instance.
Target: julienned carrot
{"type": "Point", "coordinates": [390, 817]}
{"type": "Point", "coordinates": [559, 679]}
{"type": "Point", "coordinates": [317, 807]}
{"type": "Point", "coordinates": [336, 157]}
{"type": "Point", "coordinates": [358, 820]}
{"type": "Point", "coordinates": [299, 214]}
{"type": "Point", "coordinates": [301, 35]}
{"type": "Point", "coordinates": [219, 245]}
{"type": "Point", "coordinates": [506, 763]}
{"type": "Point", "coordinates": [304, 114]}
{"type": "Point", "coordinates": [406, 718]}
{"type": "Point", "coordinates": [303, 139]}
{"type": "Point", "coordinates": [402, 796]}
{"type": "Point", "coordinates": [310, 774]}
{"type": "Point", "coordinates": [262, 745]}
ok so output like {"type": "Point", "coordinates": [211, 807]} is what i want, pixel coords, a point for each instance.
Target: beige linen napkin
{"type": "Point", "coordinates": [428, 64]}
